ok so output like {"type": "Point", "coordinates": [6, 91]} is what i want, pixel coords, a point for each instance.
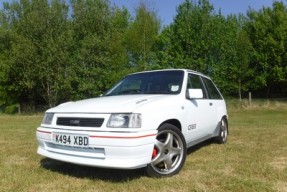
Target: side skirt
{"type": "Point", "coordinates": [192, 143]}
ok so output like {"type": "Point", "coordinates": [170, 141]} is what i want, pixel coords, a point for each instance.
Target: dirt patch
{"type": "Point", "coordinates": [281, 186]}
{"type": "Point", "coordinates": [279, 163]}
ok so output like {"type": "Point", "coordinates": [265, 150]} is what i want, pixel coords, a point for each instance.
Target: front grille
{"type": "Point", "coordinates": [80, 122]}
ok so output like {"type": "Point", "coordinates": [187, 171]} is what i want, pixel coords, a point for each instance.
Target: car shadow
{"type": "Point", "coordinates": [79, 171]}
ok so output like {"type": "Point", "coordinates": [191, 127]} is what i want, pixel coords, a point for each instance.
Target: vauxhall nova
{"type": "Point", "coordinates": [147, 119]}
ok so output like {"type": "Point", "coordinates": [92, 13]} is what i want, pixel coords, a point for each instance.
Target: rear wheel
{"type": "Point", "coordinates": [169, 152]}
{"type": "Point", "coordinates": [223, 132]}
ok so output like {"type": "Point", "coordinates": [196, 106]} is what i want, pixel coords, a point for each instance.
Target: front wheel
{"type": "Point", "coordinates": [169, 152]}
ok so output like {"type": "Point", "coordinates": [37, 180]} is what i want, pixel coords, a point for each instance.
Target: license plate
{"type": "Point", "coordinates": [71, 140]}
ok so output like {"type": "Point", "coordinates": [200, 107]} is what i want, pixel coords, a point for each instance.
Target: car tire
{"type": "Point", "coordinates": [223, 132]}
{"type": "Point", "coordinates": [169, 152]}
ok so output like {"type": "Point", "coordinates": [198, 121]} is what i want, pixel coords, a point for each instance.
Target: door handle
{"type": "Point", "coordinates": [210, 104]}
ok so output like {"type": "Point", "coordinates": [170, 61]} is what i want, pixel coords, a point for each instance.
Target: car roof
{"type": "Point", "coordinates": [186, 70]}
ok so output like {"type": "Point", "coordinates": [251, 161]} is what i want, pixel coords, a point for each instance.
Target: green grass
{"type": "Point", "coordinates": [254, 159]}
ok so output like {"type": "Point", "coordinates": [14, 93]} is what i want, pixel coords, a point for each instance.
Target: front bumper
{"type": "Point", "coordinates": [121, 150]}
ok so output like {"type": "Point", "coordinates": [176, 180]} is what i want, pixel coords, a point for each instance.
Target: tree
{"type": "Point", "coordinates": [201, 40]}
{"type": "Point", "coordinates": [99, 55]}
{"type": "Point", "coordinates": [9, 93]}
{"type": "Point", "coordinates": [244, 52]}
{"type": "Point", "coordinates": [39, 50]}
{"type": "Point", "coordinates": [232, 71]}
{"type": "Point", "coordinates": [267, 30]}
{"type": "Point", "coordinates": [194, 39]}
{"type": "Point", "coordinates": [141, 38]}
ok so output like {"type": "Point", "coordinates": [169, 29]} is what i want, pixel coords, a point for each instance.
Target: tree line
{"type": "Point", "coordinates": [52, 51]}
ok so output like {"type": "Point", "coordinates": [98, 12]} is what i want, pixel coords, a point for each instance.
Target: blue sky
{"type": "Point", "coordinates": [166, 9]}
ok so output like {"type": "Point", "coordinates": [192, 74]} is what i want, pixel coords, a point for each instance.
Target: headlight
{"type": "Point", "coordinates": [125, 120]}
{"type": "Point", "coordinates": [48, 118]}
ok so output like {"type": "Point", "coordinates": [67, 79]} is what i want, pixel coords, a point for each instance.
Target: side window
{"type": "Point", "coordinates": [212, 90]}
{"type": "Point", "coordinates": [194, 82]}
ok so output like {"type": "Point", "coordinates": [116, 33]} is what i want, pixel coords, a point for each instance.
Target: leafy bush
{"type": "Point", "coordinates": [12, 109]}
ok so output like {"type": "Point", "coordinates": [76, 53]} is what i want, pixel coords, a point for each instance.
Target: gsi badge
{"type": "Point", "coordinates": [192, 126]}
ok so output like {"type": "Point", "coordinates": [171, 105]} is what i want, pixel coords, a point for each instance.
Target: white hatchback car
{"type": "Point", "coordinates": [147, 119]}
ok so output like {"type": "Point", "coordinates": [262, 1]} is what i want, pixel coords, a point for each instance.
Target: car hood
{"type": "Point", "coordinates": [108, 104]}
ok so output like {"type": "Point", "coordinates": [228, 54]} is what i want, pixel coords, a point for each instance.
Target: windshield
{"type": "Point", "coordinates": [156, 82]}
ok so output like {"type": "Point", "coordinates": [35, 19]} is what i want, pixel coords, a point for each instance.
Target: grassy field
{"type": "Point", "coordinates": [254, 159]}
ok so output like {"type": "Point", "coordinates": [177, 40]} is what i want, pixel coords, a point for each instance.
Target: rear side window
{"type": "Point", "coordinates": [194, 82]}
{"type": "Point", "coordinates": [212, 90]}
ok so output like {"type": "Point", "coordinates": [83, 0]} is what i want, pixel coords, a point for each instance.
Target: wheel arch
{"type": "Point", "coordinates": [225, 117]}
{"type": "Point", "coordinates": [174, 122]}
